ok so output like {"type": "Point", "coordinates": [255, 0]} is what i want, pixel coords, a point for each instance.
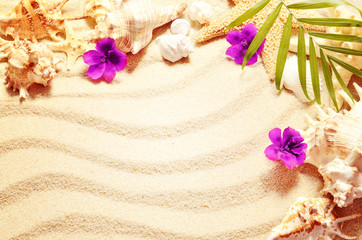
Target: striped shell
{"type": "Point", "coordinates": [34, 19]}
{"type": "Point", "coordinates": [133, 22]}
{"type": "Point", "coordinates": [333, 138]}
{"type": "Point", "coordinates": [310, 219]}
{"type": "Point", "coordinates": [28, 63]}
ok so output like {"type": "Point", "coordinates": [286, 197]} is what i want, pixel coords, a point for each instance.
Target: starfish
{"type": "Point", "coordinates": [73, 46]}
{"type": "Point", "coordinates": [131, 25]}
{"type": "Point", "coordinates": [217, 27]}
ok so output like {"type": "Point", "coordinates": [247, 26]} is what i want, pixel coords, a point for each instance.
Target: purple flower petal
{"type": "Point", "coordinates": [106, 45]}
{"type": "Point", "coordinates": [96, 71]}
{"type": "Point", "coordinates": [109, 72]}
{"type": "Point", "coordinates": [299, 148]}
{"type": "Point", "coordinates": [248, 32]}
{"type": "Point", "coordinates": [288, 159]}
{"type": "Point", "coordinates": [234, 37]}
{"type": "Point", "coordinates": [237, 52]}
{"type": "Point", "coordinates": [300, 158]}
{"type": "Point", "coordinates": [272, 152]}
{"type": "Point", "coordinates": [92, 57]}
{"type": "Point", "coordinates": [261, 47]}
{"type": "Point", "coordinates": [275, 136]}
{"type": "Point", "coordinates": [253, 59]}
{"type": "Point", "coordinates": [118, 59]}
{"type": "Point", "coordinates": [287, 136]}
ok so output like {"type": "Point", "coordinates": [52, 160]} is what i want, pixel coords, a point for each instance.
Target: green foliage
{"type": "Point", "coordinates": [326, 60]}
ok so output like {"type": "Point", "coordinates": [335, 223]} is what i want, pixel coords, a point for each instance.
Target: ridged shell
{"type": "Point", "coordinates": [133, 22]}
{"type": "Point", "coordinates": [180, 26]}
{"type": "Point", "coordinates": [200, 11]}
{"type": "Point", "coordinates": [28, 63]}
{"type": "Point", "coordinates": [336, 137]}
{"type": "Point", "coordinates": [174, 47]}
{"type": "Point", "coordinates": [291, 79]}
{"type": "Point", "coordinates": [34, 19]}
{"type": "Point", "coordinates": [310, 219]}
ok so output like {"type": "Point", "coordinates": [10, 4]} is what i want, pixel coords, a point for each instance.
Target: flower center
{"type": "Point", "coordinates": [104, 59]}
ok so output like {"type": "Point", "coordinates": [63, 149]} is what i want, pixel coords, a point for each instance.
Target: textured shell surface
{"type": "Point", "coordinates": [34, 19]}
{"type": "Point", "coordinates": [291, 79]}
{"type": "Point", "coordinates": [310, 219]}
{"type": "Point", "coordinates": [200, 11]}
{"type": "Point", "coordinates": [132, 23]}
{"type": "Point", "coordinates": [334, 141]}
{"type": "Point", "coordinates": [180, 26]}
{"type": "Point", "coordinates": [174, 47]}
{"type": "Point", "coordinates": [28, 63]}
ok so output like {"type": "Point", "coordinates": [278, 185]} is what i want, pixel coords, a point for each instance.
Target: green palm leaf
{"type": "Point", "coordinates": [248, 14]}
{"type": "Point", "coordinates": [314, 71]}
{"type": "Point", "coordinates": [260, 36]}
{"type": "Point", "coordinates": [339, 78]}
{"type": "Point", "coordinates": [342, 50]}
{"type": "Point", "coordinates": [314, 4]}
{"type": "Point", "coordinates": [347, 66]}
{"type": "Point", "coordinates": [283, 51]}
{"type": "Point", "coordinates": [328, 79]}
{"type": "Point", "coordinates": [332, 22]}
{"type": "Point", "coordinates": [337, 37]}
{"type": "Point", "coordinates": [302, 62]}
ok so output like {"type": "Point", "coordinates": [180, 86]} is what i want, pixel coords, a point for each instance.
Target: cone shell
{"type": "Point", "coordinates": [310, 219]}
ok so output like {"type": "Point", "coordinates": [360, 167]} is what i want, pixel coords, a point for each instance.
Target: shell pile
{"type": "Point", "coordinates": [35, 19]}
{"type": "Point", "coordinates": [311, 219]}
{"type": "Point", "coordinates": [132, 23]}
{"type": "Point", "coordinates": [334, 147]}
{"type": "Point", "coordinates": [28, 63]}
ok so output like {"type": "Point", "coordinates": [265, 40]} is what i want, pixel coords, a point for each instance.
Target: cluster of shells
{"type": "Point", "coordinates": [335, 148]}
{"type": "Point", "coordinates": [130, 24]}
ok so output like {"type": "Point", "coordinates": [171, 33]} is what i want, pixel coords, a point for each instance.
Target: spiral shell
{"type": "Point", "coordinates": [174, 47]}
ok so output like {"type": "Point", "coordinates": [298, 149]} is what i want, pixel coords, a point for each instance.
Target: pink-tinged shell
{"type": "Point", "coordinates": [34, 19]}
{"type": "Point", "coordinates": [311, 219]}
{"type": "Point", "coordinates": [132, 23]}
{"type": "Point", "coordinates": [28, 63]}
{"type": "Point", "coordinates": [334, 142]}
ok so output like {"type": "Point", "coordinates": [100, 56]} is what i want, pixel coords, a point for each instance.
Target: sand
{"type": "Point", "coordinates": [165, 151]}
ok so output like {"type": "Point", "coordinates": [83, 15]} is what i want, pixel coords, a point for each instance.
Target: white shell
{"type": "Point", "coordinates": [200, 11]}
{"type": "Point", "coordinates": [174, 47]}
{"type": "Point", "coordinates": [334, 147]}
{"type": "Point", "coordinates": [180, 26]}
{"type": "Point", "coordinates": [310, 219]}
{"type": "Point", "coordinates": [291, 81]}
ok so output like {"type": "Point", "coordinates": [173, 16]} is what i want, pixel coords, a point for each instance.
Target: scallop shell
{"type": "Point", "coordinates": [174, 47]}
{"type": "Point", "coordinates": [180, 26]}
{"type": "Point", "coordinates": [291, 80]}
{"type": "Point", "coordinates": [35, 19]}
{"type": "Point", "coordinates": [133, 22]}
{"type": "Point", "coordinates": [28, 63]}
{"type": "Point", "coordinates": [333, 138]}
{"type": "Point", "coordinates": [200, 11]}
{"type": "Point", "coordinates": [311, 219]}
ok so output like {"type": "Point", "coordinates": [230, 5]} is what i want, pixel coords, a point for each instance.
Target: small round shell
{"type": "Point", "coordinates": [200, 11]}
{"type": "Point", "coordinates": [180, 26]}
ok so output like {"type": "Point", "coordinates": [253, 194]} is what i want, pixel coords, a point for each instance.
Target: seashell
{"type": "Point", "coordinates": [174, 47]}
{"type": "Point", "coordinates": [28, 63]}
{"type": "Point", "coordinates": [356, 61]}
{"type": "Point", "coordinates": [311, 219]}
{"type": "Point", "coordinates": [334, 143]}
{"type": "Point", "coordinates": [35, 19]}
{"type": "Point", "coordinates": [291, 80]}
{"type": "Point", "coordinates": [200, 11]}
{"type": "Point", "coordinates": [133, 22]}
{"type": "Point", "coordinates": [180, 26]}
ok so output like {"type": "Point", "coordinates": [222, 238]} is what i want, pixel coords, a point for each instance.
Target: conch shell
{"type": "Point", "coordinates": [311, 219]}
{"type": "Point", "coordinates": [200, 11]}
{"type": "Point", "coordinates": [334, 147]}
{"type": "Point", "coordinates": [174, 47]}
{"type": "Point", "coordinates": [132, 23]}
{"type": "Point", "coordinates": [28, 63]}
{"type": "Point", "coordinates": [291, 80]}
{"type": "Point", "coordinates": [35, 19]}
{"type": "Point", "coordinates": [180, 26]}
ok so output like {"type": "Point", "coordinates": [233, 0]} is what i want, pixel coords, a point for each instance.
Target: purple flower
{"type": "Point", "coordinates": [105, 61]}
{"type": "Point", "coordinates": [240, 42]}
{"type": "Point", "coordinates": [289, 148]}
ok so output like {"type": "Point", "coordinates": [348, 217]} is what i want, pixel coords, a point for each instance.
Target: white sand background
{"type": "Point", "coordinates": [165, 151]}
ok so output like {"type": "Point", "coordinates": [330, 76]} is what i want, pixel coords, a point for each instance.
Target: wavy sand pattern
{"type": "Point", "coordinates": [166, 151]}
